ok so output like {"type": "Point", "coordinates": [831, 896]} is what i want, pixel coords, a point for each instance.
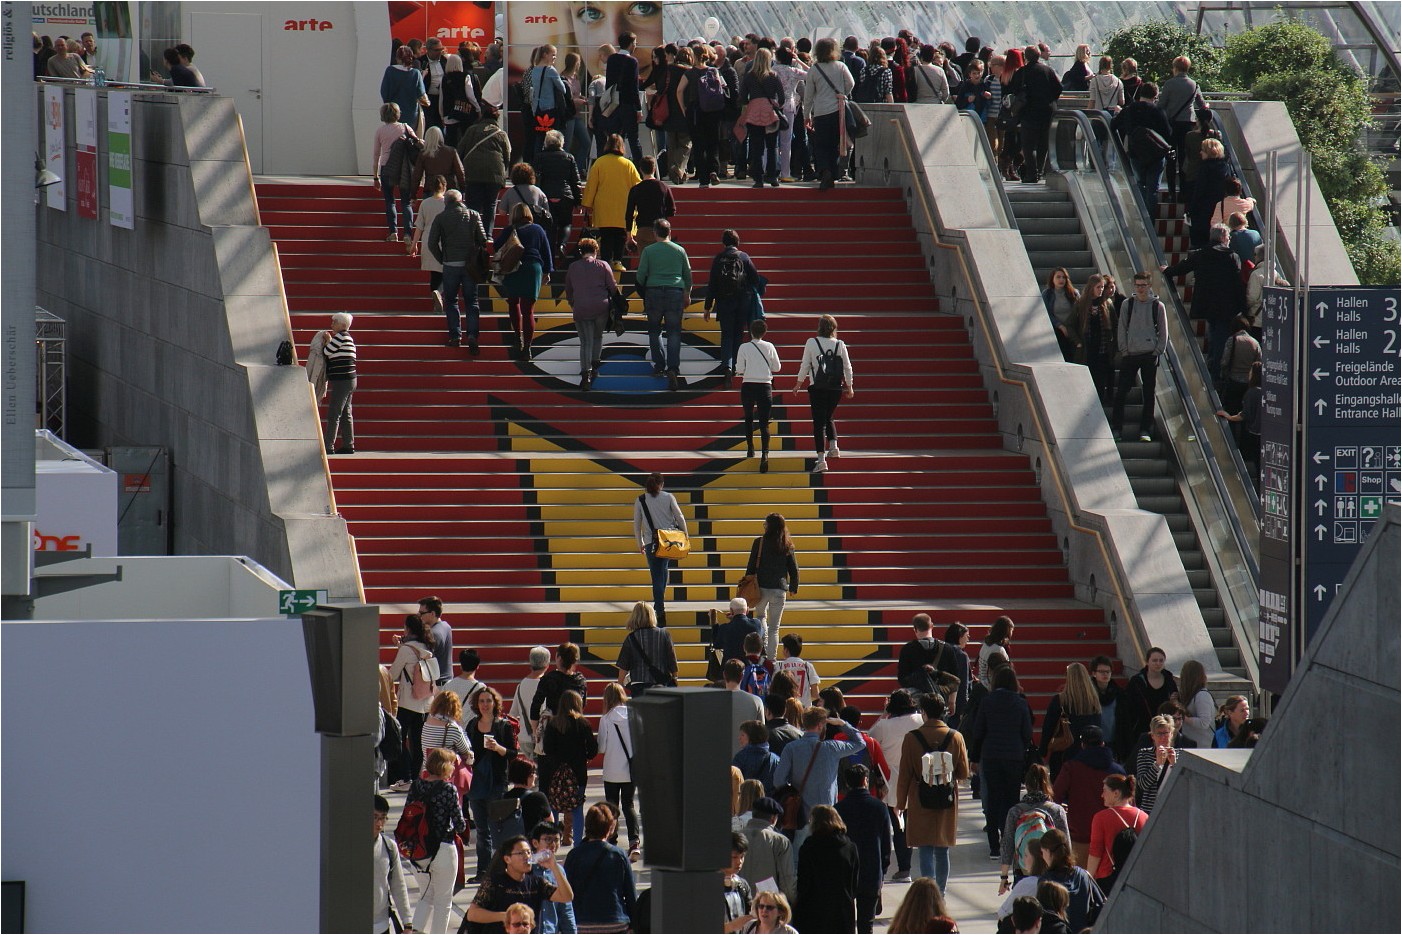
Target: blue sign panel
{"type": "Point", "coordinates": [1352, 461]}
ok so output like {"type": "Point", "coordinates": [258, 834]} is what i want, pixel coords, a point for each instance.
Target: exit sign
{"type": "Point", "coordinates": [295, 603]}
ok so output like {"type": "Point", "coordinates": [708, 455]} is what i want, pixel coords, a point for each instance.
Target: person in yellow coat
{"type": "Point", "coordinates": [606, 198]}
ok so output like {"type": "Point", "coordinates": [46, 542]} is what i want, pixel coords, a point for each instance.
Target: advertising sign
{"type": "Point", "coordinates": [580, 28]}
{"type": "Point", "coordinates": [453, 22]}
{"type": "Point", "coordinates": [76, 507]}
{"type": "Point", "coordinates": [57, 194]}
{"type": "Point", "coordinates": [1279, 427]}
{"type": "Point", "coordinates": [121, 209]}
{"type": "Point", "coordinates": [85, 151]}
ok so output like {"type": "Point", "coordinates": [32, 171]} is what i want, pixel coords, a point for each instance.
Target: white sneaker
{"type": "Point", "coordinates": [821, 464]}
{"type": "Point", "coordinates": [401, 786]}
{"type": "Point", "coordinates": [833, 450]}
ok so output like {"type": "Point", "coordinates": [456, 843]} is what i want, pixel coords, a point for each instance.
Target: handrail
{"type": "Point", "coordinates": [1199, 435]}
{"type": "Point", "coordinates": [121, 85]}
{"type": "Point", "coordinates": [927, 198]}
{"type": "Point", "coordinates": [981, 138]}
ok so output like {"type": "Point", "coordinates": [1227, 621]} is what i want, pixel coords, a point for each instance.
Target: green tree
{"type": "Point", "coordinates": [1329, 109]}
{"type": "Point", "coordinates": [1155, 45]}
{"type": "Point", "coordinates": [1289, 46]}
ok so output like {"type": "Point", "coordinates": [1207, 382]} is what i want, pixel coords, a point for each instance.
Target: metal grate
{"type": "Point", "coordinates": [51, 345]}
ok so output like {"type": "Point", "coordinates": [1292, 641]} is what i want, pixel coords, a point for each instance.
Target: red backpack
{"type": "Point", "coordinates": [411, 834]}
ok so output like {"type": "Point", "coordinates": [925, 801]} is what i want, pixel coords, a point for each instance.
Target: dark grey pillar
{"type": "Point", "coordinates": [342, 642]}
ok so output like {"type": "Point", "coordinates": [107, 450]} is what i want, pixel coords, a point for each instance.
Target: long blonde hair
{"type": "Point", "coordinates": [1079, 695]}
{"type": "Point", "coordinates": [642, 617]}
{"type": "Point", "coordinates": [763, 66]}
{"type": "Point", "coordinates": [737, 779]}
{"type": "Point", "coordinates": [750, 790]}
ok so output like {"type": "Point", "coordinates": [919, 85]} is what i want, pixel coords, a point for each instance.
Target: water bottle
{"type": "Point", "coordinates": [99, 77]}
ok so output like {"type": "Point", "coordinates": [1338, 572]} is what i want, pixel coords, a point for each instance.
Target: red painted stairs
{"type": "Point", "coordinates": [498, 486]}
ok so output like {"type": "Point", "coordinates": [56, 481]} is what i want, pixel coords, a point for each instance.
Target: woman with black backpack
{"type": "Point", "coordinates": [828, 369]}
{"type": "Point", "coordinates": [731, 291]}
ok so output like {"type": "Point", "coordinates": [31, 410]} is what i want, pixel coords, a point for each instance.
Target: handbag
{"type": "Point", "coordinates": [618, 308]}
{"type": "Point", "coordinates": [509, 256]}
{"type": "Point", "coordinates": [637, 687]}
{"type": "Point", "coordinates": [747, 588]}
{"type": "Point", "coordinates": [666, 543]}
{"type": "Point", "coordinates": [795, 814]}
{"type": "Point", "coordinates": [1063, 739]}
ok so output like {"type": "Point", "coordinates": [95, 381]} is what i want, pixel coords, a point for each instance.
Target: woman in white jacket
{"type": "Point", "coordinates": [1193, 695]}
{"type": "Point", "coordinates": [616, 745]}
{"type": "Point", "coordinates": [415, 646]}
{"type": "Point", "coordinates": [901, 717]}
{"type": "Point", "coordinates": [828, 368]}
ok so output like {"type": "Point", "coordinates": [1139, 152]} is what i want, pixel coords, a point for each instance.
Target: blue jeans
{"type": "Point", "coordinates": [732, 335]}
{"type": "Point", "coordinates": [661, 569]}
{"type": "Point", "coordinates": [1148, 172]}
{"type": "Point", "coordinates": [482, 198]}
{"type": "Point", "coordinates": [664, 309]}
{"type": "Point", "coordinates": [934, 863]}
{"type": "Point", "coordinates": [482, 818]}
{"type": "Point", "coordinates": [455, 280]}
{"type": "Point", "coordinates": [406, 207]}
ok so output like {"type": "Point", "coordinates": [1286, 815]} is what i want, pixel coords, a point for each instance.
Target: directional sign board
{"type": "Point", "coordinates": [1351, 431]}
{"type": "Point", "coordinates": [1331, 454]}
{"type": "Point", "coordinates": [296, 603]}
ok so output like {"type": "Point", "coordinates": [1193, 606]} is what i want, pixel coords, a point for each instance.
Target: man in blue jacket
{"type": "Point", "coordinates": [810, 762]}
{"type": "Point", "coordinates": [869, 827]}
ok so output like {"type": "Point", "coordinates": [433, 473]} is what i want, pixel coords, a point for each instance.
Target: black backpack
{"type": "Point", "coordinates": [284, 354]}
{"type": "Point", "coordinates": [827, 372]}
{"type": "Point", "coordinates": [730, 276]}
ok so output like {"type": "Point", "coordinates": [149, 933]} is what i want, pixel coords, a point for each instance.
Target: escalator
{"type": "Point", "coordinates": [1052, 233]}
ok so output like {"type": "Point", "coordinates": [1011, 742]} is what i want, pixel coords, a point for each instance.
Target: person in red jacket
{"type": "Point", "coordinates": [1078, 787]}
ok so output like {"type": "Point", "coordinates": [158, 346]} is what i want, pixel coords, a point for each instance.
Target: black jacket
{"type": "Point", "coordinates": [1040, 88]}
{"type": "Point", "coordinates": [557, 175]}
{"type": "Point", "coordinates": [1003, 726]}
{"type": "Point", "coordinates": [1218, 292]}
{"type": "Point", "coordinates": [827, 885]}
{"type": "Point", "coordinates": [1141, 114]}
{"type": "Point", "coordinates": [621, 71]}
{"type": "Point", "coordinates": [730, 303]}
{"type": "Point", "coordinates": [1139, 705]}
{"type": "Point", "coordinates": [869, 828]}
{"type": "Point", "coordinates": [1210, 187]}
{"type": "Point", "coordinates": [456, 234]}
{"type": "Point", "coordinates": [771, 569]}
{"type": "Point", "coordinates": [730, 637]}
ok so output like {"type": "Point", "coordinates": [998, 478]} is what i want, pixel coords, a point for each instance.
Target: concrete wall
{"type": "Point", "coordinates": [174, 787]}
{"type": "Point", "coordinates": [1034, 391]}
{"type": "Point", "coordinates": [172, 335]}
{"type": "Point", "coordinates": [157, 587]}
{"type": "Point", "coordinates": [1301, 833]}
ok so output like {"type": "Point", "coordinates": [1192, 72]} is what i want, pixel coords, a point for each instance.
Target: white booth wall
{"type": "Point", "coordinates": [161, 776]}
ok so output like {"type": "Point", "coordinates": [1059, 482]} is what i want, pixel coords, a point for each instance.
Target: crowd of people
{"type": "Point", "coordinates": [80, 59]}
{"type": "Point", "coordinates": [828, 803]}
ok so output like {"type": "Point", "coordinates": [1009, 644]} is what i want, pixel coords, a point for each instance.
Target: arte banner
{"type": "Point", "coordinates": [453, 22]}
{"type": "Point", "coordinates": [121, 209]}
{"type": "Point", "coordinates": [57, 194]}
{"type": "Point", "coordinates": [85, 150]}
{"type": "Point", "coordinates": [580, 28]}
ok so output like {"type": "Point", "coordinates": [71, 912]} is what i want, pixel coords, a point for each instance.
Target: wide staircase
{"type": "Point", "coordinates": [498, 485]}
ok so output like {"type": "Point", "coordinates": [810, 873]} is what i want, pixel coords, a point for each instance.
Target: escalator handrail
{"type": "Point", "coordinates": [1175, 368]}
{"type": "Point", "coordinates": [981, 135]}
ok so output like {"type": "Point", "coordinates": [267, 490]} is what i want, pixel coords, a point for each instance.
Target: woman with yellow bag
{"type": "Point", "coordinates": [660, 530]}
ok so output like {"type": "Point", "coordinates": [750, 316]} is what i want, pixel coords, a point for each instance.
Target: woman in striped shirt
{"type": "Point", "coordinates": [340, 378]}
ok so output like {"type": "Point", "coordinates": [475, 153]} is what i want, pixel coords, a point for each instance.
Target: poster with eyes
{"type": "Point", "coordinates": [581, 28]}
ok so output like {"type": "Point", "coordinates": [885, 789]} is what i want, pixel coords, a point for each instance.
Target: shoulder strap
{"type": "Point", "coordinates": [822, 74]}
{"type": "Point", "coordinates": [647, 513]}
{"type": "Point", "coordinates": [948, 736]}
{"type": "Point", "coordinates": [817, 748]}
{"type": "Point", "coordinates": [638, 645]}
{"type": "Point", "coordinates": [626, 753]}
{"type": "Point", "coordinates": [1117, 814]}
{"type": "Point", "coordinates": [926, 75]}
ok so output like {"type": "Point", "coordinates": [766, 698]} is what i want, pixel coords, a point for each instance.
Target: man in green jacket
{"type": "Point", "coordinates": [664, 276]}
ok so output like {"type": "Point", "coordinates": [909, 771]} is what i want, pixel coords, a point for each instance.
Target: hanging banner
{"type": "Point", "coordinates": [453, 22]}
{"type": "Point", "coordinates": [85, 150]}
{"type": "Point", "coordinates": [580, 28]}
{"type": "Point", "coordinates": [56, 195]}
{"type": "Point", "coordinates": [119, 175]}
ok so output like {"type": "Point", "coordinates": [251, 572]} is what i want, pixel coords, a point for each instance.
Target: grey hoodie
{"type": "Point", "coordinates": [1143, 327]}
{"type": "Point", "coordinates": [1107, 93]}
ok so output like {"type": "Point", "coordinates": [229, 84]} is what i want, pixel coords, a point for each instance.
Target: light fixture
{"type": "Point", "coordinates": [43, 177]}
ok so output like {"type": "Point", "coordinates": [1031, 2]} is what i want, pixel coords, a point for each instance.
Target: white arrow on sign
{"type": "Point", "coordinates": [1321, 308]}
{"type": "Point", "coordinates": [1320, 457]}
{"type": "Point", "coordinates": [1320, 405]}
{"type": "Point", "coordinates": [1321, 341]}
{"type": "Point", "coordinates": [1319, 374]}
{"type": "Point", "coordinates": [1319, 592]}
{"type": "Point", "coordinates": [1319, 531]}
{"type": "Point", "coordinates": [1320, 480]}
{"type": "Point", "coordinates": [1320, 506]}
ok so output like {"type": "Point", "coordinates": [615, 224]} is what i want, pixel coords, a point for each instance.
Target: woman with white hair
{"type": "Point", "coordinates": [436, 159]}
{"type": "Point", "coordinates": [459, 100]}
{"type": "Point", "coordinates": [339, 352]}
{"type": "Point", "coordinates": [557, 175]}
